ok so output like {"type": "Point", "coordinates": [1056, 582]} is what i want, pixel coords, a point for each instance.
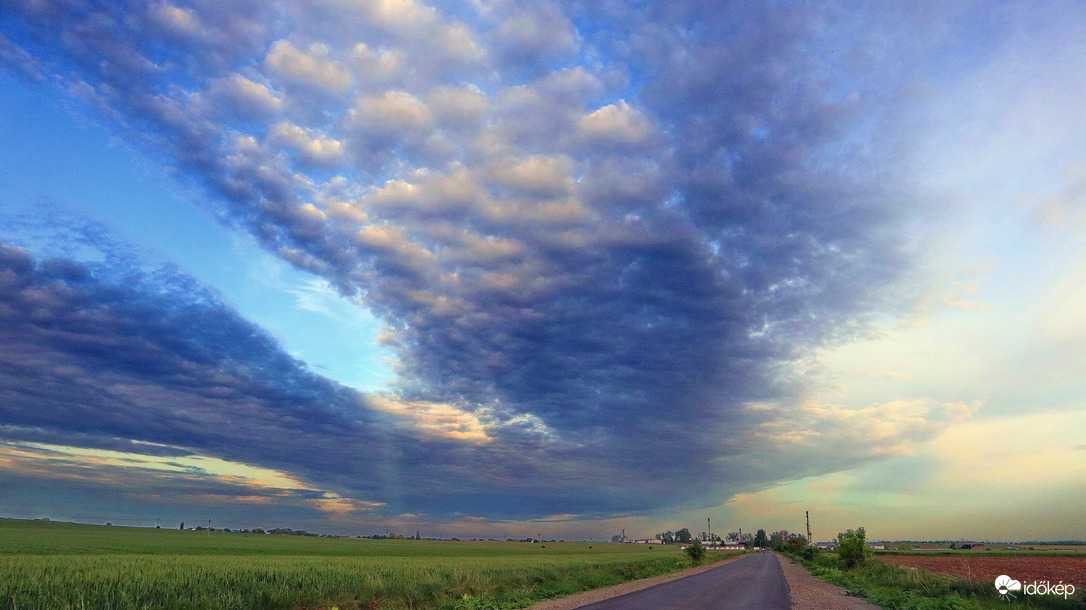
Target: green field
{"type": "Point", "coordinates": [63, 565]}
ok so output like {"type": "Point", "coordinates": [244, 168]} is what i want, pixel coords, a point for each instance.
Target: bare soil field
{"type": "Point", "coordinates": [1026, 569]}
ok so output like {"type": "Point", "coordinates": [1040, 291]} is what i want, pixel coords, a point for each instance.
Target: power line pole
{"type": "Point", "coordinates": [810, 540]}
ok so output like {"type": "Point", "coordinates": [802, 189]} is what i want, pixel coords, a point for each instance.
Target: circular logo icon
{"type": "Point", "coordinates": [1005, 585]}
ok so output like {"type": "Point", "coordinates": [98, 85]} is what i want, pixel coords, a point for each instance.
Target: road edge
{"type": "Point", "coordinates": [809, 592]}
{"type": "Point", "coordinates": [577, 600]}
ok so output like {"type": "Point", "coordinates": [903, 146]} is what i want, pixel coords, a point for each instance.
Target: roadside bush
{"type": "Point", "coordinates": [852, 548]}
{"type": "Point", "coordinates": [809, 553]}
{"type": "Point", "coordinates": [696, 551]}
{"type": "Point", "coordinates": [796, 543]}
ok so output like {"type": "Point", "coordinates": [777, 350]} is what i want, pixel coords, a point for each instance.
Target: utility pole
{"type": "Point", "coordinates": [809, 539]}
{"type": "Point", "coordinates": [709, 522]}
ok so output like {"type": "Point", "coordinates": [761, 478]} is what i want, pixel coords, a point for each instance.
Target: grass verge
{"type": "Point", "coordinates": [898, 588]}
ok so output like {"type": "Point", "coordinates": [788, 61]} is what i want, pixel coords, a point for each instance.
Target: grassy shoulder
{"type": "Point", "coordinates": [899, 588]}
{"type": "Point", "coordinates": [58, 565]}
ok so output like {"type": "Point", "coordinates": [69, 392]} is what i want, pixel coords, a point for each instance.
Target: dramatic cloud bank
{"type": "Point", "coordinates": [601, 237]}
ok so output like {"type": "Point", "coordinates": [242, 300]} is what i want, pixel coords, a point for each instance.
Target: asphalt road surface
{"type": "Point", "coordinates": [751, 583]}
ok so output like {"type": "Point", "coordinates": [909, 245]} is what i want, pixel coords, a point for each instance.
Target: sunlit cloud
{"type": "Point", "coordinates": [190, 465]}
{"type": "Point", "coordinates": [436, 420]}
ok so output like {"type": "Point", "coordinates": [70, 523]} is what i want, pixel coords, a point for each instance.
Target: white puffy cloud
{"type": "Point", "coordinates": [377, 66]}
{"type": "Point", "coordinates": [401, 14]}
{"type": "Point", "coordinates": [313, 67]}
{"type": "Point", "coordinates": [457, 107]}
{"type": "Point", "coordinates": [317, 150]}
{"type": "Point", "coordinates": [572, 87]}
{"type": "Point", "coordinates": [539, 175]}
{"type": "Point", "coordinates": [176, 19]}
{"type": "Point", "coordinates": [391, 111]}
{"type": "Point", "coordinates": [245, 97]}
{"type": "Point", "coordinates": [458, 43]}
{"type": "Point", "coordinates": [527, 35]}
{"type": "Point", "coordinates": [616, 125]}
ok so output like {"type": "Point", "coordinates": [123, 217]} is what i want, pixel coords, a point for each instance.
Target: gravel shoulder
{"type": "Point", "coordinates": [590, 597]}
{"type": "Point", "coordinates": [812, 593]}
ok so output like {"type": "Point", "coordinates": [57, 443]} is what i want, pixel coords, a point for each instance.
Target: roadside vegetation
{"type": "Point", "coordinates": [853, 567]}
{"type": "Point", "coordinates": [63, 565]}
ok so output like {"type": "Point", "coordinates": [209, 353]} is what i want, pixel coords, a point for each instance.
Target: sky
{"type": "Point", "coordinates": [500, 269]}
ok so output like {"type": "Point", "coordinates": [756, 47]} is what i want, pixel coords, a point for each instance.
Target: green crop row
{"type": "Point", "coordinates": [157, 581]}
{"type": "Point", "coordinates": [76, 566]}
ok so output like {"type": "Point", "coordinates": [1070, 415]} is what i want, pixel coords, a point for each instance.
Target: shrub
{"type": "Point", "coordinates": [696, 551]}
{"type": "Point", "coordinates": [796, 543]}
{"type": "Point", "coordinates": [852, 548]}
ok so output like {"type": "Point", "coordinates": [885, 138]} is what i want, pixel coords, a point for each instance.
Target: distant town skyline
{"type": "Point", "coordinates": [489, 268]}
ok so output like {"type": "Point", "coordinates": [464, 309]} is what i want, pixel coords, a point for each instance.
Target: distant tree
{"type": "Point", "coordinates": [797, 543]}
{"type": "Point", "coordinates": [953, 546]}
{"type": "Point", "coordinates": [852, 548]}
{"type": "Point", "coordinates": [182, 526]}
{"type": "Point", "coordinates": [683, 536]}
{"type": "Point", "coordinates": [760, 539]}
{"type": "Point", "coordinates": [778, 539]}
{"type": "Point", "coordinates": [667, 537]}
{"type": "Point", "coordinates": [704, 537]}
{"type": "Point", "coordinates": [732, 537]}
{"type": "Point", "coordinates": [696, 551]}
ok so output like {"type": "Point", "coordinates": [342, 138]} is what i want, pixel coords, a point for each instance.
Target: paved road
{"type": "Point", "coordinates": [754, 582]}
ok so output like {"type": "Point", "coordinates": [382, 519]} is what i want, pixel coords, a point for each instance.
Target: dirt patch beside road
{"type": "Point", "coordinates": [811, 593]}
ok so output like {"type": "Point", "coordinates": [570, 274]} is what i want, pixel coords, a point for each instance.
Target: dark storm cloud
{"type": "Point", "coordinates": [157, 358]}
{"type": "Point", "coordinates": [600, 279]}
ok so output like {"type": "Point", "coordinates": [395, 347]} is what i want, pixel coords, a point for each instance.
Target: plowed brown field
{"type": "Point", "coordinates": [1070, 570]}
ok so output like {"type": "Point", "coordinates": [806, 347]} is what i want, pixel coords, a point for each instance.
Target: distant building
{"type": "Point", "coordinates": [620, 537]}
{"type": "Point", "coordinates": [878, 546]}
{"type": "Point", "coordinates": [728, 546]}
{"type": "Point", "coordinates": [649, 541]}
